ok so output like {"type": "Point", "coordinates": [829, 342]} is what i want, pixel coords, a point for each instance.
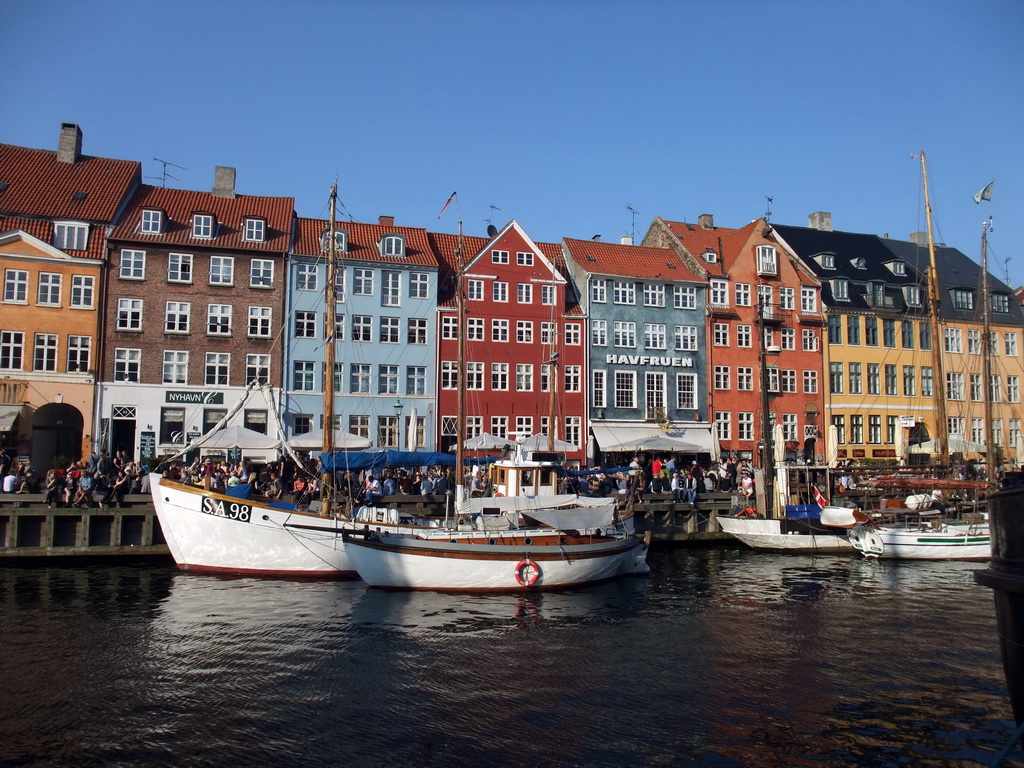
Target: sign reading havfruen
{"type": "Point", "coordinates": [198, 398]}
{"type": "Point", "coordinates": [675, 362]}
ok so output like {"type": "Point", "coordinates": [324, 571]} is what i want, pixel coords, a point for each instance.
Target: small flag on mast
{"type": "Point", "coordinates": [985, 194]}
{"type": "Point", "coordinates": [450, 198]}
{"type": "Point", "coordinates": [819, 499]}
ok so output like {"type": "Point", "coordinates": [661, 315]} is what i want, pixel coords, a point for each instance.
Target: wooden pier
{"type": "Point", "coordinates": [28, 529]}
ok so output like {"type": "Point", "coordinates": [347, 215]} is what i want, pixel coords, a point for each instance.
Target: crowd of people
{"type": "Point", "coordinates": [101, 480]}
{"type": "Point", "coordinates": [664, 474]}
{"type": "Point", "coordinates": [286, 479]}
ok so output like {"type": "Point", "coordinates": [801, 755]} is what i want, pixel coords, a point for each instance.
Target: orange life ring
{"type": "Point", "coordinates": [526, 572]}
{"type": "Point", "coordinates": [499, 493]}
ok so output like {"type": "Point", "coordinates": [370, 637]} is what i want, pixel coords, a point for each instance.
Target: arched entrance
{"type": "Point", "coordinates": [57, 430]}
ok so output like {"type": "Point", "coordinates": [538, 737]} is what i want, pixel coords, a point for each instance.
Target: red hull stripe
{"type": "Point", "coordinates": [221, 571]}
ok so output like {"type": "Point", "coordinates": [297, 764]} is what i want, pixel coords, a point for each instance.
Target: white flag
{"type": "Point", "coordinates": [985, 194]}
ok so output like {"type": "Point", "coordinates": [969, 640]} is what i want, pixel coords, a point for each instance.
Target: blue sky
{"type": "Point", "coordinates": [560, 114]}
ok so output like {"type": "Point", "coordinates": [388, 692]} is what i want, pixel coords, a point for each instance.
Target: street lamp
{"type": "Point", "coordinates": [398, 425]}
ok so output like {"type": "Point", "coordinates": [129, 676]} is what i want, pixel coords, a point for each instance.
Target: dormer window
{"type": "Point", "coordinates": [70, 235]}
{"type": "Point", "coordinates": [152, 222]}
{"type": "Point", "coordinates": [255, 230]}
{"type": "Point", "coordinates": [840, 290]}
{"type": "Point", "coordinates": [1000, 302]}
{"type": "Point", "coordinates": [912, 295]}
{"type": "Point", "coordinates": [963, 298]}
{"type": "Point", "coordinates": [392, 245]}
{"type": "Point", "coordinates": [710, 256]}
{"type": "Point", "coordinates": [826, 260]}
{"type": "Point", "coordinates": [859, 263]}
{"type": "Point", "coordinates": [202, 225]}
{"type": "Point", "coordinates": [897, 267]}
{"type": "Point", "coordinates": [767, 264]}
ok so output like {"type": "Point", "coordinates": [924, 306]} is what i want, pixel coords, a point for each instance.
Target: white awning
{"type": "Point", "coordinates": [640, 436]}
{"type": "Point", "coordinates": [8, 415]}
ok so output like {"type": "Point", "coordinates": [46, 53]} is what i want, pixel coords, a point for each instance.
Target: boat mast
{"type": "Point", "coordinates": [327, 485]}
{"type": "Point", "coordinates": [986, 356]}
{"type": "Point", "coordinates": [768, 449]}
{"type": "Point", "coordinates": [460, 373]}
{"type": "Point", "coordinates": [942, 427]}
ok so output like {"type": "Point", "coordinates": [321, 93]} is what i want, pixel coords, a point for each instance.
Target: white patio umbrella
{"type": "Point", "coordinates": [413, 436]}
{"type": "Point", "coordinates": [240, 437]}
{"type": "Point", "coordinates": [780, 444]}
{"type": "Point", "coordinates": [716, 447]}
{"type": "Point", "coordinates": [666, 443]}
{"type": "Point", "coordinates": [343, 441]}
{"type": "Point", "coordinates": [540, 443]}
{"type": "Point", "coordinates": [901, 445]}
{"type": "Point", "coordinates": [485, 441]}
{"type": "Point", "coordinates": [832, 446]}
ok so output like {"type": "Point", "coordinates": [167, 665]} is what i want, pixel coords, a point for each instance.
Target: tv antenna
{"type": "Point", "coordinates": [635, 212]}
{"type": "Point", "coordinates": [164, 175]}
{"type": "Point", "coordinates": [490, 212]}
{"type": "Point", "coordinates": [768, 208]}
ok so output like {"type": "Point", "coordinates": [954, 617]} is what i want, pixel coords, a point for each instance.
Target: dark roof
{"type": "Point", "coordinates": [958, 271]}
{"type": "Point", "coordinates": [35, 183]}
{"type": "Point", "coordinates": [847, 247]}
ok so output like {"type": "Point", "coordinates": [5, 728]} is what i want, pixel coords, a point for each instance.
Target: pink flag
{"type": "Point", "coordinates": [450, 198]}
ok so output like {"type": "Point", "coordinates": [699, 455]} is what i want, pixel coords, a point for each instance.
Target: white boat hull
{"type": "Point", "coordinates": [212, 533]}
{"type": "Point", "coordinates": [769, 535]}
{"type": "Point", "coordinates": [401, 562]}
{"type": "Point", "coordinates": [923, 542]}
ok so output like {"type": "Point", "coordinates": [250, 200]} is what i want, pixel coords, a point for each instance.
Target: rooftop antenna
{"type": "Point", "coordinates": [635, 212]}
{"type": "Point", "coordinates": [768, 209]}
{"type": "Point", "coordinates": [491, 229]}
{"type": "Point", "coordinates": [164, 176]}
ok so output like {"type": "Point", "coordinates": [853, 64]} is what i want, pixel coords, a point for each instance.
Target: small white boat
{"type": "Point", "coordinates": [508, 561]}
{"type": "Point", "coordinates": [804, 535]}
{"type": "Point", "coordinates": [923, 538]}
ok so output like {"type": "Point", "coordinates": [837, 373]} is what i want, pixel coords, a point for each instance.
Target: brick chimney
{"type": "Point", "coordinates": [822, 220]}
{"type": "Point", "coordinates": [918, 238]}
{"type": "Point", "coordinates": [626, 240]}
{"type": "Point", "coordinates": [69, 149]}
{"type": "Point", "coordinates": [706, 221]}
{"type": "Point", "coordinates": [224, 182]}
{"type": "Point", "coordinates": [386, 221]}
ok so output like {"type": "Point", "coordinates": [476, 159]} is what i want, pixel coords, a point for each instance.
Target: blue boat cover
{"type": "Point", "coordinates": [355, 461]}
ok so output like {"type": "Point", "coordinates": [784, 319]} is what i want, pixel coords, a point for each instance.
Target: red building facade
{"type": "Point", "coordinates": [524, 353]}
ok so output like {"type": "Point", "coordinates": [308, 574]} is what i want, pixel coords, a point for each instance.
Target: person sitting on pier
{"type": "Point", "coordinates": [83, 494]}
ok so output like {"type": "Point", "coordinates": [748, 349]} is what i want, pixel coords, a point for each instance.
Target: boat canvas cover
{"type": "Point", "coordinates": [577, 519]}
{"type": "Point", "coordinates": [374, 461]}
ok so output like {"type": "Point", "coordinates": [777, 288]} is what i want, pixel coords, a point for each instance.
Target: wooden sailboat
{"type": "Point", "coordinates": [928, 535]}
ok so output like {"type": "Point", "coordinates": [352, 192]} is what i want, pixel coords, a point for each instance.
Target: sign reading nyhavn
{"type": "Point", "coordinates": [203, 398]}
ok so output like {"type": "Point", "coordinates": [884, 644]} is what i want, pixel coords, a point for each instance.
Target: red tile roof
{"type": "Point", "coordinates": [39, 185]}
{"type": "Point", "coordinates": [43, 229]}
{"type": "Point", "coordinates": [727, 243]}
{"type": "Point", "coordinates": [363, 239]}
{"type": "Point", "coordinates": [178, 206]}
{"type": "Point", "coordinates": [637, 261]}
